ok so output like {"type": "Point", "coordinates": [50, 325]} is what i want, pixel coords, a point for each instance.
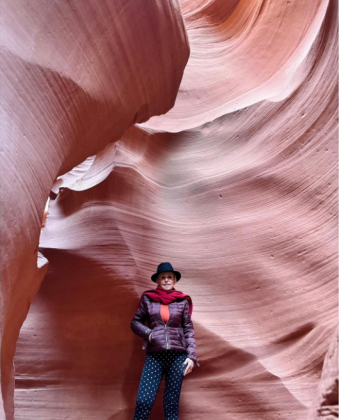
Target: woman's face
{"type": "Point", "coordinates": [166, 280]}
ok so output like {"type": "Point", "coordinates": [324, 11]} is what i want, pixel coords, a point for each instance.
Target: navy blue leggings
{"type": "Point", "coordinates": [158, 363]}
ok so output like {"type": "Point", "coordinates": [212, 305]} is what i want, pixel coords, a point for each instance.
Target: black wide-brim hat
{"type": "Point", "coordinates": [165, 266]}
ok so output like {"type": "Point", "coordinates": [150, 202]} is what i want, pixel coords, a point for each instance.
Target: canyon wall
{"type": "Point", "coordinates": [74, 77]}
{"type": "Point", "coordinates": [236, 186]}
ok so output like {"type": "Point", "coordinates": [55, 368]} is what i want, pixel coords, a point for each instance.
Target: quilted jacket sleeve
{"type": "Point", "coordinates": [189, 334]}
{"type": "Point", "coordinates": [138, 321]}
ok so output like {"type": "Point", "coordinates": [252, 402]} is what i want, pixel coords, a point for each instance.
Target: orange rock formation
{"type": "Point", "coordinates": [202, 133]}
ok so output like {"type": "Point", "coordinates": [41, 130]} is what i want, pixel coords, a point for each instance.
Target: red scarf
{"type": "Point", "coordinates": [166, 296]}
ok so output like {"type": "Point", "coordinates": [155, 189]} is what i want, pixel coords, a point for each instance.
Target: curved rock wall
{"type": "Point", "coordinates": [74, 77]}
{"type": "Point", "coordinates": [237, 186]}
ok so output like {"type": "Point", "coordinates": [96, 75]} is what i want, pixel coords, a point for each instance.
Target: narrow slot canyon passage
{"type": "Point", "coordinates": [204, 133]}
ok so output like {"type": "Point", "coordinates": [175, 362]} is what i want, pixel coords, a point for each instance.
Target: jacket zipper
{"type": "Point", "coordinates": [166, 335]}
{"type": "Point", "coordinates": [167, 345]}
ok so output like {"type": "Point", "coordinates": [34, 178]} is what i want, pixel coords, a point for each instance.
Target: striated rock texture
{"type": "Point", "coordinates": [74, 77]}
{"type": "Point", "coordinates": [326, 401]}
{"type": "Point", "coordinates": [242, 52]}
{"type": "Point", "coordinates": [236, 185]}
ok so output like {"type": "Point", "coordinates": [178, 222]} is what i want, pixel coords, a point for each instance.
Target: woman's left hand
{"type": "Point", "coordinates": [190, 365]}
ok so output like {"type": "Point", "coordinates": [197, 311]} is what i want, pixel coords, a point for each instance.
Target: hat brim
{"type": "Point", "coordinates": [155, 275]}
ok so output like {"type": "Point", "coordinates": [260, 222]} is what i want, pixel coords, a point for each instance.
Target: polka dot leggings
{"type": "Point", "coordinates": [170, 363]}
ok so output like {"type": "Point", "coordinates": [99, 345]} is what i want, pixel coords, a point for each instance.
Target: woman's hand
{"type": "Point", "coordinates": [150, 337]}
{"type": "Point", "coordinates": [190, 365]}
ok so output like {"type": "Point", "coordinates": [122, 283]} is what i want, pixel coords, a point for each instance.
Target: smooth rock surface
{"type": "Point", "coordinates": [74, 77]}
{"type": "Point", "coordinates": [237, 187]}
{"type": "Point", "coordinates": [245, 207]}
{"type": "Point", "coordinates": [242, 52]}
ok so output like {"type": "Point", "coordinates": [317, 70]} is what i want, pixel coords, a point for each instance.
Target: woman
{"type": "Point", "coordinates": [170, 342]}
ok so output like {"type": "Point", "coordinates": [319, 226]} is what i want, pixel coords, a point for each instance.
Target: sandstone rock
{"type": "Point", "coordinates": [236, 186]}
{"type": "Point", "coordinates": [74, 77]}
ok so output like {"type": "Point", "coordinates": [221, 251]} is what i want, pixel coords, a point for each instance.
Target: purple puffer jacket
{"type": "Point", "coordinates": [177, 334]}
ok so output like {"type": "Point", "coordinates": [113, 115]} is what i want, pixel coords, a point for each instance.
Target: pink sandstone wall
{"type": "Point", "coordinates": [236, 185]}
{"type": "Point", "coordinates": [74, 76]}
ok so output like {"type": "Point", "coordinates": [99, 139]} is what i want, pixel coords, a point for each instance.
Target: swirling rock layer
{"type": "Point", "coordinates": [74, 77]}
{"type": "Point", "coordinates": [237, 187]}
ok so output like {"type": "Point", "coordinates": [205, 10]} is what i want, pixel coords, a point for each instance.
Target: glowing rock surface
{"type": "Point", "coordinates": [236, 185]}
